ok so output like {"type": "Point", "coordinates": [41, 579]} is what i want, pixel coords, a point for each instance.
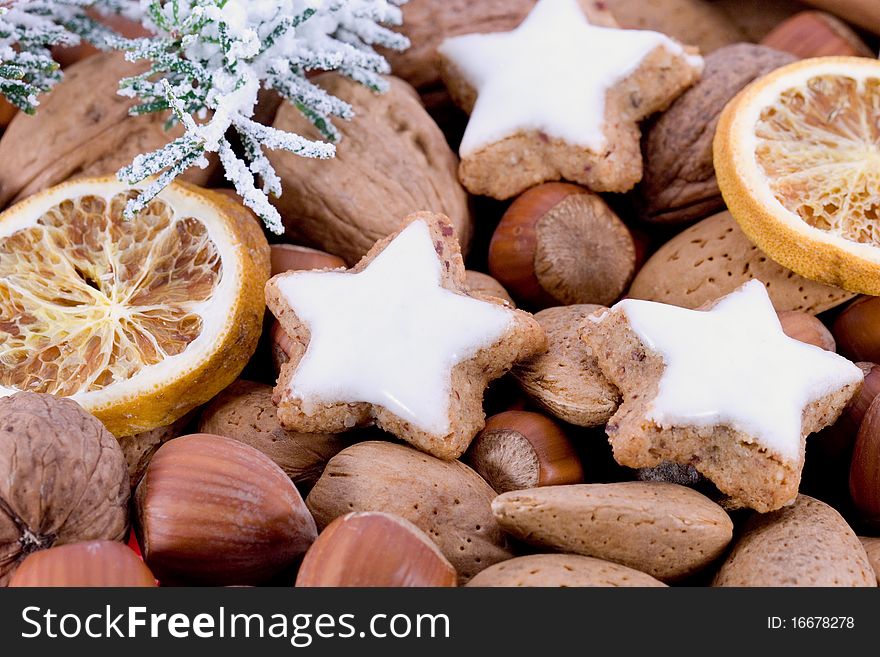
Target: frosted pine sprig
{"type": "Point", "coordinates": [28, 31]}
{"type": "Point", "coordinates": [211, 58]}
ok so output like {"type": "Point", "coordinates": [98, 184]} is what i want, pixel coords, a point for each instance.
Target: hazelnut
{"type": "Point", "coordinates": [560, 244]}
{"type": "Point", "coordinates": [857, 330]}
{"type": "Point", "coordinates": [374, 549]}
{"type": "Point", "coordinates": [290, 257]}
{"type": "Point", "coordinates": [214, 511]}
{"type": "Point", "coordinates": [816, 34]}
{"type": "Point", "coordinates": [858, 407]}
{"type": "Point", "coordinates": [806, 328]}
{"type": "Point", "coordinates": [63, 478]}
{"type": "Point", "coordinates": [520, 449]}
{"type": "Point", "coordinates": [864, 472]}
{"type": "Point", "coordinates": [864, 13]}
{"type": "Point", "coordinates": [91, 564]}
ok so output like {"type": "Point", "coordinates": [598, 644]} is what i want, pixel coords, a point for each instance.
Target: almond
{"type": "Point", "coordinates": [445, 499]}
{"type": "Point", "coordinates": [561, 570]}
{"type": "Point", "coordinates": [245, 412]}
{"type": "Point", "coordinates": [665, 530]}
{"type": "Point", "coordinates": [806, 544]}
{"type": "Point", "coordinates": [712, 259]}
{"type": "Point", "coordinates": [872, 548]}
{"type": "Point", "coordinates": [565, 380]}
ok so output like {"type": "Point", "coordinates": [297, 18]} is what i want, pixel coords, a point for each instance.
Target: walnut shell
{"type": "Point", "coordinates": [82, 129]}
{"type": "Point", "coordinates": [679, 180]}
{"type": "Point", "coordinates": [392, 160]}
{"type": "Point", "coordinates": [63, 478]}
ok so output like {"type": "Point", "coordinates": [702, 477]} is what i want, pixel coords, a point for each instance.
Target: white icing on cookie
{"type": "Point", "coordinates": [734, 366]}
{"type": "Point", "coordinates": [389, 335]}
{"type": "Point", "coordinates": [551, 74]}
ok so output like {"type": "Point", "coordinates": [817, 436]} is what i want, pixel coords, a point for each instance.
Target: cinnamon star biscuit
{"type": "Point", "coordinates": [559, 97]}
{"type": "Point", "coordinates": [723, 390]}
{"type": "Point", "coordinates": [397, 340]}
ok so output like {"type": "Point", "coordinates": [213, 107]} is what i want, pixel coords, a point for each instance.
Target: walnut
{"type": "Point", "coordinates": [392, 160]}
{"type": "Point", "coordinates": [679, 180]}
{"type": "Point", "coordinates": [82, 128]}
{"type": "Point", "coordinates": [63, 478]}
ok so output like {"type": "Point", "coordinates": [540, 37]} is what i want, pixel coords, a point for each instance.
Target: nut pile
{"type": "Point", "coordinates": [286, 480]}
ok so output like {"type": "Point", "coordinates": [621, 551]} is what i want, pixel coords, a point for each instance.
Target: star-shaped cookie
{"type": "Point", "coordinates": [724, 390]}
{"type": "Point", "coordinates": [559, 97]}
{"type": "Point", "coordinates": [396, 340]}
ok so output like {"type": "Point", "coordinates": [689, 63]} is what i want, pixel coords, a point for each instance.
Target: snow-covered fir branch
{"type": "Point", "coordinates": [211, 58]}
{"type": "Point", "coordinates": [28, 31]}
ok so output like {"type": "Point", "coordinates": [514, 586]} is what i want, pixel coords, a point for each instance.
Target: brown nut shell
{"type": "Point", "coordinates": [88, 564]}
{"type": "Point", "coordinates": [82, 128]}
{"type": "Point", "coordinates": [245, 412]}
{"type": "Point", "coordinates": [864, 473]}
{"type": "Point", "coordinates": [713, 258]}
{"type": "Point", "coordinates": [857, 330]}
{"type": "Point", "coordinates": [521, 449]}
{"type": "Point", "coordinates": [561, 570]}
{"type": "Point", "coordinates": [445, 499]}
{"type": "Point", "coordinates": [486, 286]}
{"type": "Point", "coordinates": [805, 544]}
{"type": "Point", "coordinates": [816, 34]}
{"type": "Point", "coordinates": [566, 380]}
{"type": "Point", "coordinates": [393, 159]}
{"type": "Point", "coordinates": [807, 328]}
{"type": "Point", "coordinates": [679, 181]}
{"type": "Point", "coordinates": [665, 530]}
{"type": "Point", "coordinates": [63, 478]}
{"type": "Point", "coordinates": [374, 549]}
{"type": "Point", "coordinates": [560, 244]}
{"type": "Point", "coordinates": [872, 549]}
{"type": "Point", "coordinates": [214, 511]}
{"type": "Point", "coordinates": [291, 257]}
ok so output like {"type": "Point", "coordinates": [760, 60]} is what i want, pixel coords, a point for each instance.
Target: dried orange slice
{"type": "Point", "coordinates": [797, 155]}
{"type": "Point", "coordinates": [138, 321]}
